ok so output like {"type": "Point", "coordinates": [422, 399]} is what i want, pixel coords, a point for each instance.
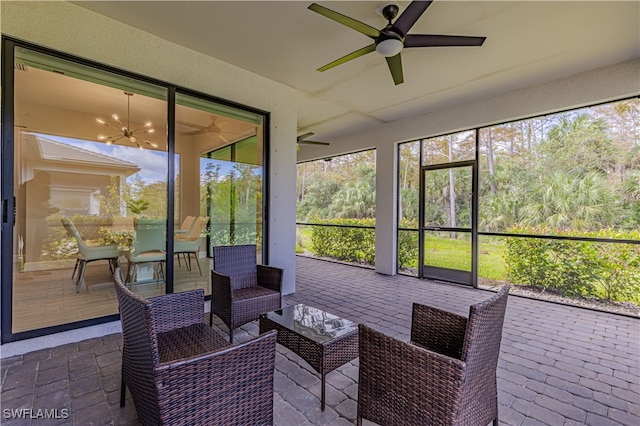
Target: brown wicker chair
{"type": "Point", "coordinates": [240, 289]}
{"type": "Point", "coordinates": [445, 376]}
{"type": "Point", "coordinates": [181, 372]}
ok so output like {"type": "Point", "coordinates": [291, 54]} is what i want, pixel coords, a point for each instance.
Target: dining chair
{"type": "Point", "coordinates": [149, 246]}
{"type": "Point", "coordinates": [89, 253]}
{"type": "Point", "coordinates": [186, 226]}
{"type": "Point", "coordinates": [191, 242]}
{"type": "Point", "coordinates": [445, 376]}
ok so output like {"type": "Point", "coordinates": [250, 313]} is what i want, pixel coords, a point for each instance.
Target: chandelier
{"type": "Point", "coordinates": [125, 130]}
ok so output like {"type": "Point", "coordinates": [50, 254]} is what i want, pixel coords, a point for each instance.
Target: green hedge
{"type": "Point", "coordinates": [407, 249]}
{"type": "Point", "coordinates": [358, 244]}
{"type": "Point", "coordinates": [609, 271]}
{"type": "Point", "coordinates": [346, 244]}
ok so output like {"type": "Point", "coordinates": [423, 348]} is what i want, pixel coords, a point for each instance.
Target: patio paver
{"type": "Point", "coordinates": [559, 365]}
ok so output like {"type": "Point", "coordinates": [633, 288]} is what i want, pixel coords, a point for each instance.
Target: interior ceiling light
{"type": "Point", "coordinates": [125, 131]}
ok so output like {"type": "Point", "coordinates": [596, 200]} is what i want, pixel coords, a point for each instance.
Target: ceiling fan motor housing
{"type": "Point", "coordinates": [390, 42]}
{"type": "Point", "coordinates": [390, 12]}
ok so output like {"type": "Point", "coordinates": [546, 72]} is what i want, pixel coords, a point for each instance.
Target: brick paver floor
{"type": "Point", "coordinates": [559, 365]}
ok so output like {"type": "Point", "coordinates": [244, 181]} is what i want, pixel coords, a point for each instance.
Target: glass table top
{"type": "Point", "coordinates": [316, 324]}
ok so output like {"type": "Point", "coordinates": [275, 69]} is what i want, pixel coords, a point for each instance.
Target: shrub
{"type": "Point", "coordinates": [343, 242]}
{"type": "Point", "coordinates": [407, 248]}
{"type": "Point", "coordinates": [576, 268]}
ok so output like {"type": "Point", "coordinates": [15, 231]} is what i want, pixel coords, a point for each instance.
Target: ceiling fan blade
{"type": "Point", "coordinates": [395, 66]}
{"type": "Point", "coordinates": [434, 40]}
{"type": "Point", "coordinates": [306, 135]}
{"type": "Point", "coordinates": [350, 56]}
{"type": "Point", "coordinates": [361, 27]}
{"type": "Point", "coordinates": [411, 14]}
{"type": "Point", "coordinates": [222, 138]}
{"type": "Point", "coordinates": [300, 140]}
{"type": "Point", "coordinates": [313, 143]}
{"type": "Point", "coordinates": [194, 132]}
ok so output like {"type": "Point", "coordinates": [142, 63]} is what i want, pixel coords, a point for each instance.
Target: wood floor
{"type": "Point", "coordinates": [46, 298]}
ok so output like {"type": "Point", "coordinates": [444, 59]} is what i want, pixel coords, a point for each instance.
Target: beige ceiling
{"type": "Point", "coordinates": [528, 42]}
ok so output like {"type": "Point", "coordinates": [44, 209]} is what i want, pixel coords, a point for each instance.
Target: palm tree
{"type": "Point", "coordinates": [566, 201]}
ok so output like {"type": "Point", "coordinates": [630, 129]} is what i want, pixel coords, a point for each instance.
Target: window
{"type": "Point", "coordinates": [557, 198]}
{"type": "Point", "coordinates": [336, 208]}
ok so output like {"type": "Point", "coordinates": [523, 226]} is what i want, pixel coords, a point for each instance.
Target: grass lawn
{"type": "Point", "coordinates": [456, 254]}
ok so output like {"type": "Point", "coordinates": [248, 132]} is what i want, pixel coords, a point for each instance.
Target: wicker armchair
{"type": "Point", "coordinates": [240, 289]}
{"type": "Point", "coordinates": [445, 376]}
{"type": "Point", "coordinates": [181, 372]}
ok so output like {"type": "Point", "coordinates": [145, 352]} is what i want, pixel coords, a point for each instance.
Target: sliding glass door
{"type": "Point", "coordinates": [219, 179]}
{"type": "Point", "coordinates": [89, 158]}
{"type": "Point", "coordinates": [94, 161]}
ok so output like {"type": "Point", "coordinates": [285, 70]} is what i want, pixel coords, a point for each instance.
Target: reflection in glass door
{"type": "Point", "coordinates": [226, 146]}
{"type": "Point", "coordinates": [446, 246]}
{"type": "Point", "coordinates": [235, 196]}
{"type": "Point", "coordinates": [90, 163]}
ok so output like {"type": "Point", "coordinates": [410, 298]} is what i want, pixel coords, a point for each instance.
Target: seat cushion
{"type": "Point", "coordinates": [249, 303]}
{"type": "Point", "coordinates": [188, 341]}
{"type": "Point", "coordinates": [253, 292]}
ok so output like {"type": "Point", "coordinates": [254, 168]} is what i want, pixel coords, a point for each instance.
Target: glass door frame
{"type": "Point", "coordinates": [8, 46]}
{"type": "Point", "coordinates": [469, 278]}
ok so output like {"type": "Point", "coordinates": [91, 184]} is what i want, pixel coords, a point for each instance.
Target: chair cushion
{"type": "Point", "coordinates": [249, 303]}
{"type": "Point", "coordinates": [188, 341]}
{"type": "Point", "coordinates": [253, 292]}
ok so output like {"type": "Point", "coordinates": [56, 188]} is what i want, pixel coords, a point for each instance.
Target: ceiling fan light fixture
{"type": "Point", "coordinates": [389, 47]}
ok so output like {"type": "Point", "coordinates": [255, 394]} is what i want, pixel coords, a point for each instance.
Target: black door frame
{"type": "Point", "coordinates": [446, 274]}
{"type": "Point", "coordinates": [8, 47]}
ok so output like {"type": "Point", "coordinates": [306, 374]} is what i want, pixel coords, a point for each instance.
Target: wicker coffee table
{"type": "Point", "coordinates": [323, 340]}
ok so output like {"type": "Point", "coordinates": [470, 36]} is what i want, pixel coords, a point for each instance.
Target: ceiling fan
{"type": "Point", "coordinates": [390, 40]}
{"type": "Point", "coordinates": [302, 140]}
{"type": "Point", "coordinates": [213, 128]}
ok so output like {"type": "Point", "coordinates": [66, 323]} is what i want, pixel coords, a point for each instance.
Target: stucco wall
{"type": "Point", "coordinates": [72, 29]}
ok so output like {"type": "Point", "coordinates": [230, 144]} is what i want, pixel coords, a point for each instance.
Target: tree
{"type": "Point", "coordinates": [409, 181]}
{"type": "Point", "coordinates": [342, 187]}
{"type": "Point", "coordinates": [357, 199]}
{"type": "Point", "coordinates": [579, 145]}
{"type": "Point", "coordinates": [566, 201]}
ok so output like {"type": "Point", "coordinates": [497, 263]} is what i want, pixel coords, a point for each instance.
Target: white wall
{"type": "Point", "coordinates": [598, 85]}
{"type": "Point", "coordinates": [69, 28]}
